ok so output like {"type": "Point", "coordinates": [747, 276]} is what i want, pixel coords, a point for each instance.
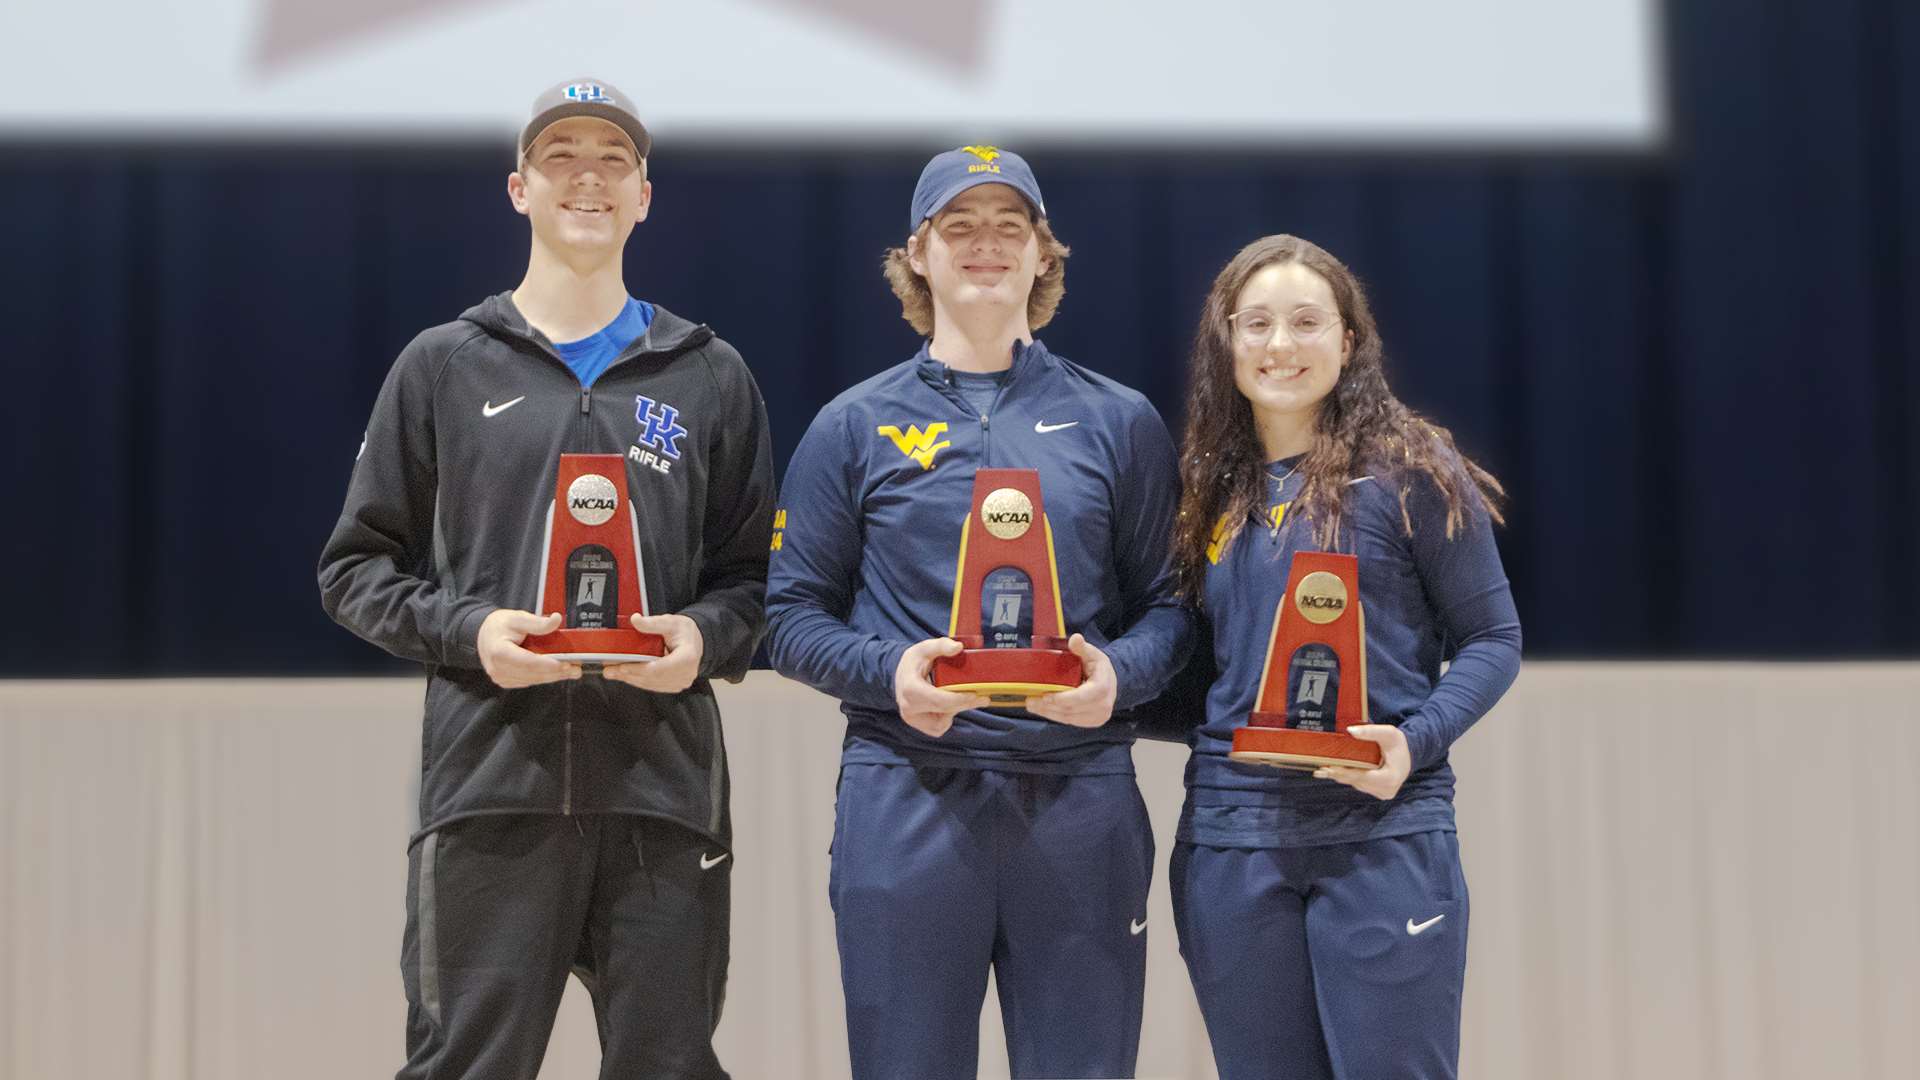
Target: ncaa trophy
{"type": "Point", "coordinates": [1314, 684]}
{"type": "Point", "coordinates": [1006, 597]}
{"type": "Point", "coordinates": [590, 570]}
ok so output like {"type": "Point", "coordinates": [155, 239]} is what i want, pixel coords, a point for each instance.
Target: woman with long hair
{"type": "Point", "coordinates": [1323, 915]}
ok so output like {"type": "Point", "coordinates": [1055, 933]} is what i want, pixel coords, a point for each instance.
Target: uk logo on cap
{"type": "Point", "coordinates": [590, 93]}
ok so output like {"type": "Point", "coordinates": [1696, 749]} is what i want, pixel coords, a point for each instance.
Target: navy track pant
{"type": "Point", "coordinates": [500, 908]}
{"type": "Point", "coordinates": [940, 872]}
{"type": "Point", "coordinates": [1342, 962]}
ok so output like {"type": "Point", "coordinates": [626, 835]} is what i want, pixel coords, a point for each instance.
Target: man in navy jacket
{"type": "Point", "coordinates": [967, 837]}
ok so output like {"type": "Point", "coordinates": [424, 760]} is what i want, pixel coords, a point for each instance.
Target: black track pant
{"type": "Point", "coordinates": [499, 910]}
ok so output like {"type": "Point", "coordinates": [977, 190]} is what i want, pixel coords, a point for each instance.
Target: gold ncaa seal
{"type": "Point", "coordinates": [1321, 597]}
{"type": "Point", "coordinates": [1007, 513]}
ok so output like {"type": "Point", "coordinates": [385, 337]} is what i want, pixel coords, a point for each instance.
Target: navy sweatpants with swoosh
{"type": "Point", "coordinates": [500, 908]}
{"type": "Point", "coordinates": [1340, 962]}
{"type": "Point", "coordinates": [940, 872]}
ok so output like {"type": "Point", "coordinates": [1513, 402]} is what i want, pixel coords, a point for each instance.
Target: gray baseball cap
{"type": "Point", "coordinates": [586, 97]}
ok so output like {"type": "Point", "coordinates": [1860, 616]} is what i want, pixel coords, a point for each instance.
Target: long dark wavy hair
{"type": "Point", "coordinates": [1359, 427]}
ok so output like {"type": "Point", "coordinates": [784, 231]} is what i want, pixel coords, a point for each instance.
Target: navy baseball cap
{"type": "Point", "coordinates": [586, 97]}
{"type": "Point", "coordinates": [953, 172]}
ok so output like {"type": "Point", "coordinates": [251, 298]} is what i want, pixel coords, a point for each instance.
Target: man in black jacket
{"type": "Point", "coordinates": [566, 822]}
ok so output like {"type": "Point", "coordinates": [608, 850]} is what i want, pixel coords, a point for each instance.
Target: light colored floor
{"type": "Point", "coordinates": [205, 880]}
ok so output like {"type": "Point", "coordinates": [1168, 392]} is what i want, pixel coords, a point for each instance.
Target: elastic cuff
{"type": "Point", "coordinates": [1422, 745]}
{"type": "Point", "coordinates": [890, 663]}
{"type": "Point", "coordinates": [464, 649]}
{"type": "Point", "coordinates": [1124, 681]}
{"type": "Point", "coordinates": [708, 632]}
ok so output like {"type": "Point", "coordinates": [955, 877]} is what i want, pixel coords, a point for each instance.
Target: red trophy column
{"type": "Point", "coordinates": [1315, 684]}
{"type": "Point", "coordinates": [1006, 596]}
{"type": "Point", "coordinates": [591, 571]}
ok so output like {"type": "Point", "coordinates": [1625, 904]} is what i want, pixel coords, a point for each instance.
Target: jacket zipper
{"type": "Point", "coordinates": [566, 767]}
{"type": "Point", "coordinates": [952, 394]}
{"type": "Point", "coordinates": [566, 774]}
{"type": "Point", "coordinates": [986, 440]}
{"type": "Point", "coordinates": [586, 410]}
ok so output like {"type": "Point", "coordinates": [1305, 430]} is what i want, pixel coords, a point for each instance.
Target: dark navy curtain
{"type": "Point", "coordinates": [1692, 367]}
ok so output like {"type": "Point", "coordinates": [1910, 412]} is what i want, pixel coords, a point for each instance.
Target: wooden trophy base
{"type": "Point", "coordinates": [616, 645]}
{"type": "Point", "coordinates": [1291, 748]}
{"type": "Point", "coordinates": [1009, 675]}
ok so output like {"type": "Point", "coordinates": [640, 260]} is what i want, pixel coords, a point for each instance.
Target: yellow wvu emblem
{"type": "Point", "coordinates": [779, 527]}
{"type": "Point", "coordinates": [984, 153]}
{"type": "Point", "coordinates": [1222, 536]}
{"type": "Point", "coordinates": [1218, 545]}
{"type": "Point", "coordinates": [917, 444]}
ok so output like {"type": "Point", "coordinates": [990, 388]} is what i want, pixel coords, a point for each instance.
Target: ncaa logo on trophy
{"type": "Point", "coordinates": [592, 499]}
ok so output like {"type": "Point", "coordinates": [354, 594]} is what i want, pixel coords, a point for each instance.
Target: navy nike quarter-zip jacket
{"type": "Point", "coordinates": [867, 541]}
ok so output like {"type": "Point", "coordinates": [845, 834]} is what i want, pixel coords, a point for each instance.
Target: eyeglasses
{"type": "Point", "coordinates": [1255, 327]}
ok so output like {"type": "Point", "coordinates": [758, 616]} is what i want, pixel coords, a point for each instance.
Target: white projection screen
{"type": "Point", "coordinates": [1495, 73]}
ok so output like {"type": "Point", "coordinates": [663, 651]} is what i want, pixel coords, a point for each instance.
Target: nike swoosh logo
{"type": "Point", "coordinates": [708, 864]}
{"type": "Point", "coordinates": [1137, 927]}
{"type": "Point", "coordinates": [1042, 427]}
{"type": "Point", "coordinates": [1413, 929]}
{"type": "Point", "coordinates": [490, 409]}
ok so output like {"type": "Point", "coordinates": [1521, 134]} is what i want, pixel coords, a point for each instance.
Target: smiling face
{"type": "Point", "coordinates": [980, 251]}
{"type": "Point", "coordinates": [1286, 376]}
{"type": "Point", "coordinates": [582, 187]}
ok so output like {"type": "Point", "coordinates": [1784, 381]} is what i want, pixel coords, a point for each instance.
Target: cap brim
{"type": "Point", "coordinates": [636, 134]}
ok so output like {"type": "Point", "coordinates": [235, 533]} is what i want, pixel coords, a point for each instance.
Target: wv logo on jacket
{"type": "Point", "coordinates": [917, 444]}
{"type": "Point", "coordinates": [659, 429]}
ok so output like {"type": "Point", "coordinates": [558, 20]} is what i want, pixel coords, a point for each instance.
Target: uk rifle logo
{"type": "Point", "coordinates": [658, 446]}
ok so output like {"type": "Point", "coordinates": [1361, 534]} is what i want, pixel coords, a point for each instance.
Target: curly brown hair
{"type": "Point", "coordinates": [916, 298]}
{"type": "Point", "coordinates": [1358, 426]}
